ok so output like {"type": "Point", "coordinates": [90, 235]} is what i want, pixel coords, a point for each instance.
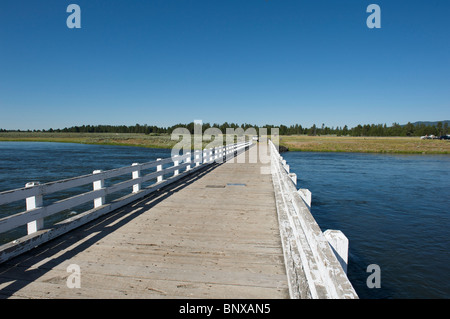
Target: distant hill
{"type": "Point", "coordinates": [429, 123]}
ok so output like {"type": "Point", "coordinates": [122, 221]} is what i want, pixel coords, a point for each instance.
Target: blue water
{"type": "Point", "coordinates": [22, 162]}
{"type": "Point", "coordinates": [395, 210]}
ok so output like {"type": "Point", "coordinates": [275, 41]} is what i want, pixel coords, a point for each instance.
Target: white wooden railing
{"type": "Point", "coordinates": [315, 261]}
{"type": "Point", "coordinates": [34, 192]}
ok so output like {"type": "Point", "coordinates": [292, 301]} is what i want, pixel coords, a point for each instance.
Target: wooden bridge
{"type": "Point", "coordinates": [226, 222]}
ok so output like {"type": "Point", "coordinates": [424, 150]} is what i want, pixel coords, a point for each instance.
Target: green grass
{"type": "Point", "coordinates": [141, 140]}
{"type": "Point", "coordinates": [395, 145]}
{"type": "Point", "coordinates": [121, 139]}
{"type": "Point", "coordinates": [401, 145]}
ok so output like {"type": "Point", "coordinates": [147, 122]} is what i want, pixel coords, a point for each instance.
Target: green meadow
{"type": "Point", "coordinates": [305, 143]}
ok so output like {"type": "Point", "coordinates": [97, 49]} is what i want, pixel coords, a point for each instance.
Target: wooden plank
{"type": "Point", "coordinates": [126, 287]}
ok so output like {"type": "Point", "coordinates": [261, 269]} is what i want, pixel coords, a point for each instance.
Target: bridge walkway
{"type": "Point", "coordinates": [214, 234]}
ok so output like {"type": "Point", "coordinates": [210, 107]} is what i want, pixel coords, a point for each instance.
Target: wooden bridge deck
{"type": "Point", "coordinates": [213, 235]}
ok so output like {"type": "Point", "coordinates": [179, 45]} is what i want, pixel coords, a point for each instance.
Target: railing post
{"type": "Point", "coordinates": [32, 203]}
{"type": "Point", "coordinates": [339, 242]}
{"type": "Point", "coordinates": [175, 164]}
{"type": "Point", "coordinates": [220, 155]}
{"type": "Point", "coordinates": [136, 174]}
{"type": "Point", "coordinates": [158, 169]}
{"type": "Point", "coordinates": [293, 177]}
{"type": "Point", "coordinates": [197, 157]}
{"type": "Point", "coordinates": [217, 155]}
{"type": "Point", "coordinates": [188, 160]}
{"type": "Point", "coordinates": [98, 185]}
{"type": "Point", "coordinates": [228, 149]}
{"type": "Point", "coordinates": [305, 194]}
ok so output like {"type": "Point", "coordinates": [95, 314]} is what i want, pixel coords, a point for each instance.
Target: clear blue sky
{"type": "Point", "coordinates": [162, 62]}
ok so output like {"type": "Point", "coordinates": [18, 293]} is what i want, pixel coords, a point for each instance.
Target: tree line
{"type": "Point", "coordinates": [369, 130]}
{"type": "Point", "coordinates": [360, 130]}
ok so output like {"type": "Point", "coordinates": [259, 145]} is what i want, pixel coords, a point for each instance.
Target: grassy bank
{"type": "Point", "coordinates": [121, 139]}
{"type": "Point", "coordinates": [404, 145]}
{"type": "Point", "coordinates": [142, 140]}
{"type": "Point", "coordinates": [401, 145]}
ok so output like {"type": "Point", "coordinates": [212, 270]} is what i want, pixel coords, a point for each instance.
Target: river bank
{"type": "Point", "coordinates": [348, 144]}
{"type": "Point", "coordinates": [302, 143]}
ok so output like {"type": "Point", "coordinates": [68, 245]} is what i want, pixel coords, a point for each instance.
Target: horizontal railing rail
{"type": "Point", "coordinates": [313, 268]}
{"type": "Point", "coordinates": [34, 193]}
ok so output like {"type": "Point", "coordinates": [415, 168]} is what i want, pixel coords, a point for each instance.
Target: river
{"type": "Point", "coordinates": [394, 209]}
